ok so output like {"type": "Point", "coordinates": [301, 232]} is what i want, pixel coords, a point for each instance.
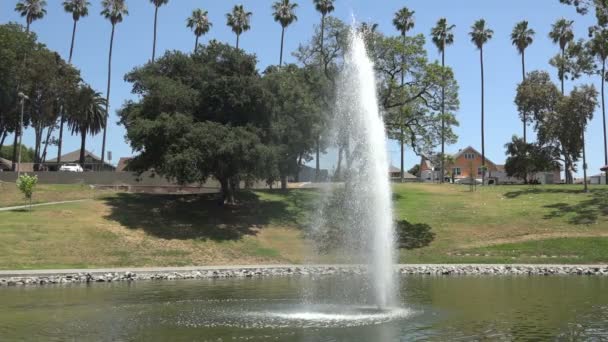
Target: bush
{"type": "Point", "coordinates": [411, 236]}
{"type": "Point", "coordinates": [26, 184]}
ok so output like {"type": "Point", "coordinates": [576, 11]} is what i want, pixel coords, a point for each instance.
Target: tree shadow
{"type": "Point", "coordinates": [539, 190]}
{"type": "Point", "coordinates": [198, 216]}
{"type": "Point", "coordinates": [585, 212]}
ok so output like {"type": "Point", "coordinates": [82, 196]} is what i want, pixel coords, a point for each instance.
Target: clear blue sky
{"type": "Point", "coordinates": [133, 45]}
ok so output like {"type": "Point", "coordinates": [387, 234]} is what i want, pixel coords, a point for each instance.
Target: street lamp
{"type": "Point", "coordinates": [23, 98]}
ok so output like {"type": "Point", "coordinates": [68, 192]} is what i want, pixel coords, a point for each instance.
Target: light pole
{"type": "Point", "coordinates": [23, 98]}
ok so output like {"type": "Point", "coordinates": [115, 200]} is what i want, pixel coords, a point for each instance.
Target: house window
{"type": "Point", "coordinates": [456, 171]}
{"type": "Point", "coordinates": [469, 156]}
{"type": "Point", "coordinates": [479, 171]}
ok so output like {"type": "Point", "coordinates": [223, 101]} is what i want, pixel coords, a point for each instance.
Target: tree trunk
{"type": "Point", "coordinates": [37, 144]}
{"type": "Point", "coordinates": [283, 182]}
{"type": "Point", "coordinates": [523, 75]}
{"type": "Point", "coordinates": [238, 36]}
{"type": "Point", "coordinates": [586, 188]}
{"type": "Point", "coordinates": [604, 115]}
{"type": "Point", "coordinates": [443, 111]}
{"type": "Point", "coordinates": [402, 145]}
{"type": "Point", "coordinates": [196, 44]}
{"type": "Point", "coordinates": [317, 162]}
{"type": "Point", "coordinates": [227, 192]}
{"type": "Point", "coordinates": [83, 140]}
{"type": "Point", "coordinates": [72, 44]}
{"type": "Point", "coordinates": [282, 42]}
{"type": "Point", "coordinates": [105, 125]}
{"type": "Point", "coordinates": [2, 137]}
{"type": "Point", "coordinates": [154, 39]}
{"type": "Point", "coordinates": [46, 142]}
{"type": "Point", "coordinates": [60, 142]}
{"type": "Point", "coordinates": [561, 67]}
{"type": "Point", "coordinates": [483, 146]}
{"type": "Point", "coordinates": [339, 166]}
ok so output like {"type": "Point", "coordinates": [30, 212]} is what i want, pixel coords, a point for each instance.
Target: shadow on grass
{"type": "Point", "coordinates": [200, 216]}
{"type": "Point", "coordinates": [587, 211]}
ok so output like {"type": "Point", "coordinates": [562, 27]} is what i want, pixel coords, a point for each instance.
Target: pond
{"type": "Point", "coordinates": [307, 309]}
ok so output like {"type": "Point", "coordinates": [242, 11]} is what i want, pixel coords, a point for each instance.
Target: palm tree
{"type": "Point", "coordinates": [284, 13]}
{"type": "Point", "coordinates": [239, 20]}
{"type": "Point", "coordinates": [403, 22]}
{"type": "Point", "coordinates": [199, 23]}
{"type": "Point", "coordinates": [522, 37]}
{"type": "Point", "coordinates": [157, 4]}
{"type": "Point", "coordinates": [32, 10]}
{"type": "Point", "coordinates": [480, 35]}
{"type": "Point", "coordinates": [598, 46]}
{"type": "Point", "coordinates": [86, 115]}
{"type": "Point", "coordinates": [561, 33]}
{"type": "Point", "coordinates": [442, 36]}
{"type": "Point", "coordinates": [78, 9]}
{"type": "Point", "coordinates": [324, 7]}
{"type": "Point", "coordinates": [114, 11]}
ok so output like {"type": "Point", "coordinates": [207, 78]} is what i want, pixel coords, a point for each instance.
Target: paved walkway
{"type": "Point", "coordinates": [41, 205]}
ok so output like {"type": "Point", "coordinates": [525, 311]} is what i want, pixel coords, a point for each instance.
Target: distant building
{"type": "Point", "coordinates": [7, 165]}
{"type": "Point", "coordinates": [395, 175]}
{"type": "Point", "coordinates": [467, 165]}
{"type": "Point", "coordinates": [122, 165]}
{"type": "Point", "coordinates": [308, 174]}
{"type": "Point", "coordinates": [91, 162]}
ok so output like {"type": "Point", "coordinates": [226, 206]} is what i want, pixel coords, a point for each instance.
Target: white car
{"type": "Point", "coordinates": [71, 167]}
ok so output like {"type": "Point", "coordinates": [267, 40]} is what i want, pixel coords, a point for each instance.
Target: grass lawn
{"type": "Point", "coordinates": [11, 196]}
{"type": "Point", "coordinates": [505, 224]}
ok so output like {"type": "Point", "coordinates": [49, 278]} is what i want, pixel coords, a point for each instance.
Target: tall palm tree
{"type": "Point", "coordinates": [31, 10]}
{"type": "Point", "coordinates": [157, 4]}
{"type": "Point", "coordinates": [78, 9]}
{"type": "Point", "coordinates": [598, 46]}
{"type": "Point", "coordinates": [480, 35]}
{"type": "Point", "coordinates": [442, 36]}
{"type": "Point", "coordinates": [561, 34]}
{"type": "Point", "coordinates": [284, 14]}
{"type": "Point", "coordinates": [114, 11]}
{"type": "Point", "coordinates": [199, 23]}
{"type": "Point", "coordinates": [86, 115]}
{"type": "Point", "coordinates": [403, 22]}
{"type": "Point", "coordinates": [239, 20]}
{"type": "Point", "coordinates": [521, 38]}
{"type": "Point", "coordinates": [324, 7]}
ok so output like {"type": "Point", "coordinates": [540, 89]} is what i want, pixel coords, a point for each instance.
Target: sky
{"type": "Point", "coordinates": [133, 47]}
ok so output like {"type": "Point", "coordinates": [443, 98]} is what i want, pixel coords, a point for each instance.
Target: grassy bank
{"type": "Point", "coordinates": [510, 224]}
{"type": "Point", "coordinates": [10, 195]}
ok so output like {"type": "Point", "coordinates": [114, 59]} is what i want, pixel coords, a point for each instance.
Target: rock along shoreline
{"type": "Point", "coordinates": [38, 278]}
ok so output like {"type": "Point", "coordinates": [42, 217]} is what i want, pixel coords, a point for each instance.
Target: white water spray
{"type": "Point", "coordinates": [367, 204]}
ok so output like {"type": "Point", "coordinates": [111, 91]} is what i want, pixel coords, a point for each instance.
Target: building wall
{"type": "Point", "coordinates": [466, 165]}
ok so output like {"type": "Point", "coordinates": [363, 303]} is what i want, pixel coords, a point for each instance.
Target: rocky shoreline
{"type": "Point", "coordinates": [37, 278]}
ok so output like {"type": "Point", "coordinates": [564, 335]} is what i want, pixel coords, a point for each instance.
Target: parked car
{"type": "Point", "coordinates": [71, 167]}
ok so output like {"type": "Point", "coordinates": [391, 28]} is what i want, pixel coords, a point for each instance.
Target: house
{"type": "Point", "coordinates": [598, 179]}
{"type": "Point", "coordinates": [122, 165]}
{"type": "Point", "coordinates": [91, 162]}
{"type": "Point", "coordinates": [467, 164]}
{"type": "Point", "coordinates": [395, 175]}
{"type": "Point", "coordinates": [7, 165]}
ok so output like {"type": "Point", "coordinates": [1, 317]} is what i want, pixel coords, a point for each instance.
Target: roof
{"type": "Point", "coordinates": [122, 164]}
{"type": "Point", "coordinates": [393, 169]}
{"type": "Point", "coordinates": [74, 156]}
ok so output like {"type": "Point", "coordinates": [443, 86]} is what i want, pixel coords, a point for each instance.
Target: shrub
{"type": "Point", "coordinates": [26, 184]}
{"type": "Point", "coordinates": [411, 236]}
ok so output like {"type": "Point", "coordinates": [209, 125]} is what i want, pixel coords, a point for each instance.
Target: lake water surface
{"type": "Point", "coordinates": [306, 309]}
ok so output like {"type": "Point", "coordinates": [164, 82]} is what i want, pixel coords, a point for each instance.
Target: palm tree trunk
{"type": "Point", "coordinates": [318, 152]}
{"type": "Point", "coordinates": [154, 40]}
{"type": "Point", "coordinates": [402, 139]}
{"type": "Point", "coordinates": [83, 139]}
{"type": "Point", "coordinates": [562, 70]}
{"type": "Point", "coordinates": [586, 188]}
{"type": "Point", "coordinates": [72, 44]}
{"type": "Point", "coordinates": [60, 142]}
{"type": "Point", "coordinates": [238, 36]}
{"type": "Point", "coordinates": [2, 137]}
{"type": "Point", "coordinates": [443, 111]}
{"type": "Point", "coordinates": [523, 76]}
{"type": "Point", "coordinates": [105, 124]}
{"type": "Point", "coordinates": [46, 142]}
{"type": "Point", "coordinates": [282, 42]}
{"type": "Point", "coordinates": [402, 143]}
{"type": "Point", "coordinates": [483, 146]}
{"type": "Point", "coordinates": [604, 115]}
{"type": "Point", "coordinates": [196, 44]}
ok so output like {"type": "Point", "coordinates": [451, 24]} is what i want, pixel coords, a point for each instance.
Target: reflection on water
{"type": "Point", "coordinates": [433, 308]}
